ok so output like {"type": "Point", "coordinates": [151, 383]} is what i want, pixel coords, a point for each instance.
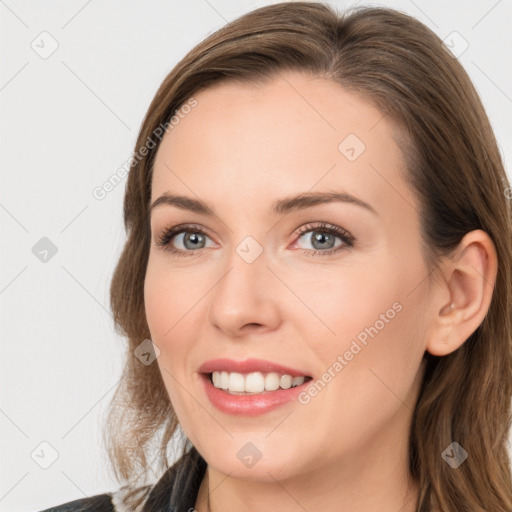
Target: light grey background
{"type": "Point", "coordinates": [68, 122]}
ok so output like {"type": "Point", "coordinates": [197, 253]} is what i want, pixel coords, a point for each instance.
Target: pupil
{"type": "Point", "coordinates": [195, 238]}
{"type": "Point", "coordinates": [322, 237]}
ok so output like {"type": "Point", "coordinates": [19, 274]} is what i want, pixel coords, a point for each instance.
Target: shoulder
{"type": "Point", "coordinates": [98, 503]}
{"type": "Point", "coordinates": [126, 499]}
{"type": "Point", "coordinates": [179, 485]}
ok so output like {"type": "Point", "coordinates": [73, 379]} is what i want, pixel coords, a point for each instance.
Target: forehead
{"type": "Point", "coordinates": [291, 134]}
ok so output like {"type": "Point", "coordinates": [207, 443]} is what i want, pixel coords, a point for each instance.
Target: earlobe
{"type": "Point", "coordinates": [465, 294]}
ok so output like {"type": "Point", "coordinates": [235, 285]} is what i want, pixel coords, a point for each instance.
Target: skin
{"type": "Point", "coordinates": [240, 149]}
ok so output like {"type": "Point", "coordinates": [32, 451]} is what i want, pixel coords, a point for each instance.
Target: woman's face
{"type": "Point", "coordinates": [254, 281]}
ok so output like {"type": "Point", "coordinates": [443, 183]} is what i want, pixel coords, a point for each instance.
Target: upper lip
{"type": "Point", "coordinates": [248, 366]}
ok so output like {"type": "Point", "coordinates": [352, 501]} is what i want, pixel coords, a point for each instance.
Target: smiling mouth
{"type": "Point", "coordinates": [254, 382]}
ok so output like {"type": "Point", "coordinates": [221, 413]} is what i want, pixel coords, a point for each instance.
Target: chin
{"type": "Point", "coordinates": [266, 469]}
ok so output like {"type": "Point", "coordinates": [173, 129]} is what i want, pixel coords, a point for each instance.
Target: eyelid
{"type": "Point", "coordinates": [326, 226]}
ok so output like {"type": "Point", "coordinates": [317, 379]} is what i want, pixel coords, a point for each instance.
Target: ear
{"type": "Point", "coordinates": [463, 297]}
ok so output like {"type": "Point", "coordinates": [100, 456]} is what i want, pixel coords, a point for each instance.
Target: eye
{"type": "Point", "coordinates": [189, 238]}
{"type": "Point", "coordinates": [185, 239]}
{"type": "Point", "coordinates": [322, 238]}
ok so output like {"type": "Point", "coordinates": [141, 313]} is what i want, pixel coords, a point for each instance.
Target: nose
{"type": "Point", "coordinates": [246, 297]}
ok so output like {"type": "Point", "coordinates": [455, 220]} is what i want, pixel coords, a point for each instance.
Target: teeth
{"type": "Point", "coordinates": [236, 382]}
{"type": "Point", "coordinates": [255, 382]}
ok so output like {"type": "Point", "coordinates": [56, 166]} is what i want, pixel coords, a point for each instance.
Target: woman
{"type": "Point", "coordinates": [316, 284]}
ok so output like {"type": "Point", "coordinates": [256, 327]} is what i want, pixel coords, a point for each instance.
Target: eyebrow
{"type": "Point", "coordinates": [279, 207]}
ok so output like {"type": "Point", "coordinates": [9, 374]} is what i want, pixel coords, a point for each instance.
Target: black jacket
{"type": "Point", "coordinates": [175, 491]}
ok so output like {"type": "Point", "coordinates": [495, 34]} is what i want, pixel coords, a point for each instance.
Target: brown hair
{"type": "Point", "coordinates": [454, 166]}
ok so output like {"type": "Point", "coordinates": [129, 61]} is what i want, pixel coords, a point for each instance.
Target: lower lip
{"type": "Point", "coordinates": [250, 405]}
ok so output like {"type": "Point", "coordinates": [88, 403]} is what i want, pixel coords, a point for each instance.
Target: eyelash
{"type": "Point", "coordinates": [167, 235]}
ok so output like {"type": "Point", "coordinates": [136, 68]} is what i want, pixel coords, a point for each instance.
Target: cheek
{"type": "Point", "coordinates": [378, 345]}
{"type": "Point", "coordinates": [348, 304]}
{"type": "Point", "coordinates": [164, 308]}
{"type": "Point", "coordinates": [175, 309]}
{"type": "Point", "coordinates": [169, 295]}
{"type": "Point", "coordinates": [368, 313]}
{"type": "Point", "coordinates": [157, 303]}
{"type": "Point", "coordinates": [370, 367]}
